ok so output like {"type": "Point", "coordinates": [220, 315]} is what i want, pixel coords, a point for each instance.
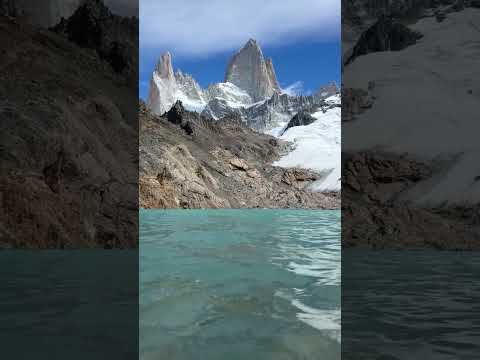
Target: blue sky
{"type": "Point", "coordinates": [301, 36]}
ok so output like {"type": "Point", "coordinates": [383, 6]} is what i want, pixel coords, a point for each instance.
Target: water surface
{"type": "Point", "coordinates": [410, 304]}
{"type": "Point", "coordinates": [239, 284]}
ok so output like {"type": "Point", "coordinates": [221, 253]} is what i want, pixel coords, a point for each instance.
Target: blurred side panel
{"type": "Point", "coordinates": [410, 179]}
{"type": "Point", "coordinates": [69, 128]}
{"type": "Point", "coordinates": [68, 180]}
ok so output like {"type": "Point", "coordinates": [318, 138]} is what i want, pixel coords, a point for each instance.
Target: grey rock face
{"type": "Point", "coordinates": [218, 108]}
{"type": "Point", "coordinates": [279, 108]}
{"type": "Point", "coordinates": [164, 67]}
{"type": "Point", "coordinates": [272, 75]}
{"type": "Point", "coordinates": [250, 72]}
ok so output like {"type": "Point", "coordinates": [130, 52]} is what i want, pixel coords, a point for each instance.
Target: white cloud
{"type": "Point", "coordinates": [202, 27]}
{"type": "Point", "coordinates": [294, 89]}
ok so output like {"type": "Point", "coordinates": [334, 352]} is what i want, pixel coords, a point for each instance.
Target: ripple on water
{"type": "Point", "coordinates": [256, 283]}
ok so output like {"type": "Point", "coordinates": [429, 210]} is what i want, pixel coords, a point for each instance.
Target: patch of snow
{"type": "Point", "coordinates": [190, 104]}
{"type": "Point", "coordinates": [334, 99]}
{"type": "Point", "coordinates": [232, 94]}
{"type": "Point", "coordinates": [317, 146]}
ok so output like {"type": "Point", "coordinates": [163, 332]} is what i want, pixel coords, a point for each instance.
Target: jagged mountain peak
{"type": "Point", "coordinates": [251, 44]}
{"type": "Point", "coordinates": [163, 87]}
{"type": "Point", "coordinates": [164, 67]}
{"type": "Point", "coordinates": [249, 70]}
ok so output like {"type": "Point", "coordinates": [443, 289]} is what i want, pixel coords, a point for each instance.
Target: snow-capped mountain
{"type": "Point", "coordinates": [251, 93]}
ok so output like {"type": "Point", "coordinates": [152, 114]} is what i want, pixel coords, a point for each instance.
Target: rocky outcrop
{"type": "Point", "coordinates": [385, 35]}
{"type": "Point", "coordinates": [300, 119]}
{"type": "Point", "coordinates": [249, 71]}
{"type": "Point", "coordinates": [189, 161]}
{"type": "Point", "coordinates": [69, 145]}
{"type": "Point", "coordinates": [374, 214]}
{"type": "Point", "coordinates": [355, 102]}
{"type": "Point", "coordinates": [327, 90]}
{"type": "Point", "coordinates": [113, 37]}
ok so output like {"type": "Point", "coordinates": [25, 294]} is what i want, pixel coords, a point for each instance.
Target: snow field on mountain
{"type": "Point", "coordinates": [318, 147]}
{"type": "Point", "coordinates": [426, 105]}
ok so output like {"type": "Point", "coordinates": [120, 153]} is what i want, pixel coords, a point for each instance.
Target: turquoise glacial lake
{"type": "Point", "coordinates": [240, 284]}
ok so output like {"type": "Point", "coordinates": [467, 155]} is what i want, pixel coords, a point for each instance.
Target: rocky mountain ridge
{"type": "Point", "coordinates": [189, 161]}
{"type": "Point", "coordinates": [250, 91]}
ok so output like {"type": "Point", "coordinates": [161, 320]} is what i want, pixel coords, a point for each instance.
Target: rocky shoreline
{"type": "Point", "coordinates": [190, 161]}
